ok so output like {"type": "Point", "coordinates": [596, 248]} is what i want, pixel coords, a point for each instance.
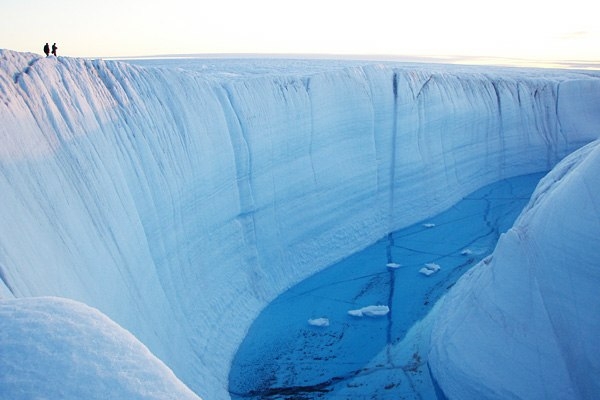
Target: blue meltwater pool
{"type": "Point", "coordinates": [358, 329]}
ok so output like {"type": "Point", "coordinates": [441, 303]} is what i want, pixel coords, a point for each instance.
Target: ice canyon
{"type": "Point", "coordinates": [179, 200]}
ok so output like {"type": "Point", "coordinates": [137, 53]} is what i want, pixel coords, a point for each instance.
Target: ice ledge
{"type": "Point", "coordinates": [525, 326]}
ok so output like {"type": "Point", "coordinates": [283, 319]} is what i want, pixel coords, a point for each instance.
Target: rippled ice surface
{"type": "Point", "coordinates": [341, 356]}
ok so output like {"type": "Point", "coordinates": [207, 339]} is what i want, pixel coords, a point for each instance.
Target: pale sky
{"type": "Point", "coordinates": [525, 29]}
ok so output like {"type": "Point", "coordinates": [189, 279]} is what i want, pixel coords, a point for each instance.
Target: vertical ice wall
{"type": "Point", "coordinates": [180, 204]}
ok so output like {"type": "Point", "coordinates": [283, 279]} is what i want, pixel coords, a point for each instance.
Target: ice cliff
{"type": "Point", "coordinates": [180, 203]}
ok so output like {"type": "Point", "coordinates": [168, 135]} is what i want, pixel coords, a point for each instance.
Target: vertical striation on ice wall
{"type": "Point", "coordinates": [179, 204]}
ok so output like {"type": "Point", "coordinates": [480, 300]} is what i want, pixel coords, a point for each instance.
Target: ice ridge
{"type": "Point", "coordinates": [523, 325]}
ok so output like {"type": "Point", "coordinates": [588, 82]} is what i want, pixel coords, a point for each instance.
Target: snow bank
{"type": "Point", "coordinates": [179, 204]}
{"type": "Point", "coordinates": [55, 348]}
{"type": "Point", "coordinates": [525, 325]}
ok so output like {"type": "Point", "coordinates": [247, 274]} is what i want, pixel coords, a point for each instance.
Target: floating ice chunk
{"type": "Point", "coordinates": [319, 322]}
{"type": "Point", "coordinates": [430, 268]}
{"type": "Point", "coordinates": [429, 225]}
{"type": "Point", "coordinates": [466, 252]}
{"type": "Point", "coordinates": [355, 313]}
{"type": "Point", "coordinates": [375, 311]}
{"type": "Point", "coordinates": [393, 265]}
{"type": "Point", "coordinates": [433, 266]}
{"type": "Point", "coordinates": [370, 311]}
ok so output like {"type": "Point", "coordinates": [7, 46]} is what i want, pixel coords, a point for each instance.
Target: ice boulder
{"type": "Point", "coordinates": [525, 325]}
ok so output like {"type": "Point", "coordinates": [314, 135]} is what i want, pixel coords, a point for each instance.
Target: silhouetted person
{"type": "Point", "coordinates": [46, 49]}
{"type": "Point", "coordinates": [54, 49]}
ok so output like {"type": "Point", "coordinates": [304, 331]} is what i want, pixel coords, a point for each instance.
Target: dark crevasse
{"type": "Point", "coordinates": [344, 356]}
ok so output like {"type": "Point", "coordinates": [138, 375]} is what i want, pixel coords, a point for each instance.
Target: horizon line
{"type": "Point", "coordinates": [442, 59]}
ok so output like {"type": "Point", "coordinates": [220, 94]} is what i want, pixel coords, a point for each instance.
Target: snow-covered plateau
{"type": "Point", "coordinates": [179, 199]}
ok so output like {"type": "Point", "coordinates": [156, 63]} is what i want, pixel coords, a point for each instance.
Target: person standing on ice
{"type": "Point", "coordinates": [46, 49]}
{"type": "Point", "coordinates": [54, 48]}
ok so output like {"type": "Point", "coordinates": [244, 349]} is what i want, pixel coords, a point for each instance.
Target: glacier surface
{"type": "Point", "coordinates": [179, 202]}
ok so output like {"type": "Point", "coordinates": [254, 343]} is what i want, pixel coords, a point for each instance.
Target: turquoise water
{"type": "Point", "coordinates": [284, 357]}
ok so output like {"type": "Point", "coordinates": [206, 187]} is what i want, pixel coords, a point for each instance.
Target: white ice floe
{"type": "Point", "coordinates": [433, 266]}
{"type": "Point", "coordinates": [322, 322]}
{"type": "Point", "coordinates": [466, 252]}
{"type": "Point", "coordinates": [393, 265]}
{"type": "Point", "coordinates": [429, 225]}
{"type": "Point", "coordinates": [370, 311]}
{"type": "Point", "coordinates": [430, 268]}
